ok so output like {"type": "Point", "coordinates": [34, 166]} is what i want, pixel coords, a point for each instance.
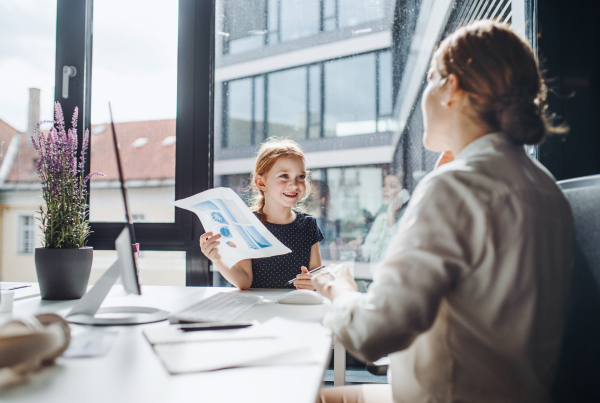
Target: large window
{"type": "Point", "coordinates": [342, 77]}
{"type": "Point", "coordinates": [27, 61]}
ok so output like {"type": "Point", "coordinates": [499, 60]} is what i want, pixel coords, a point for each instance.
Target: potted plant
{"type": "Point", "coordinates": [64, 263]}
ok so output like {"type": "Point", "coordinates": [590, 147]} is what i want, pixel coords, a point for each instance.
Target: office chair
{"type": "Point", "coordinates": [578, 376]}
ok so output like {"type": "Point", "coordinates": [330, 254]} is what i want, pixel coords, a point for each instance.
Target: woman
{"type": "Point", "coordinates": [394, 200]}
{"type": "Point", "coordinates": [470, 299]}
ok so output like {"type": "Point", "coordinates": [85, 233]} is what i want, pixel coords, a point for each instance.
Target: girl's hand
{"type": "Point", "coordinates": [444, 158]}
{"type": "Point", "coordinates": [208, 246]}
{"type": "Point", "coordinates": [303, 281]}
{"type": "Point", "coordinates": [334, 281]}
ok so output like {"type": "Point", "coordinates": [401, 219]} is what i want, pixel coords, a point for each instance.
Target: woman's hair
{"type": "Point", "coordinates": [268, 153]}
{"type": "Point", "coordinates": [498, 71]}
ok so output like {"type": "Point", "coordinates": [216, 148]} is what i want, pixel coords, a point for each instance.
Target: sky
{"type": "Point", "coordinates": [134, 62]}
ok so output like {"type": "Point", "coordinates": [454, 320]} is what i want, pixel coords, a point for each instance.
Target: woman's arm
{"type": "Point", "coordinates": [240, 274]}
{"type": "Point", "coordinates": [304, 279]}
{"type": "Point", "coordinates": [440, 243]}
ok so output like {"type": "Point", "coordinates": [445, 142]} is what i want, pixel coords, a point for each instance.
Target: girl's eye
{"type": "Point", "coordinates": [302, 177]}
{"type": "Point", "coordinates": [284, 176]}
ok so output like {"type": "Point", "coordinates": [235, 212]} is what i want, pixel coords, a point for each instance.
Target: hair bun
{"type": "Point", "coordinates": [522, 123]}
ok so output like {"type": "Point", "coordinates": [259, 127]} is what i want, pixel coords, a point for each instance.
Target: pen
{"type": "Point", "coordinates": [310, 272]}
{"type": "Point", "coordinates": [194, 327]}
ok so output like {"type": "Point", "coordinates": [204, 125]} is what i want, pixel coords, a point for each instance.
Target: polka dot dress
{"type": "Point", "coordinates": [299, 235]}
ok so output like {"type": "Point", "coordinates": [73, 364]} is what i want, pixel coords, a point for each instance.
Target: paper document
{"type": "Point", "coordinates": [277, 342]}
{"type": "Point", "coordinates": [243, 236]}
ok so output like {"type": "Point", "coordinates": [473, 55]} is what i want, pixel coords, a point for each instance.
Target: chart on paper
{"type": "Point", "coordinates": [243, 236]}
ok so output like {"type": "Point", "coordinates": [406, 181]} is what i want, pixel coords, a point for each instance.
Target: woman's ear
{"type": "Point", "coordinates": [451, 90]}
{"type": "Point", "coordinates": [259, 182]}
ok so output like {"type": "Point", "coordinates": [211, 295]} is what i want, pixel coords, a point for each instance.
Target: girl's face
{"type": "Point", "coordinates": [436, 118]}
{"type": "Point", "coordinates": [391, 187]}
{"type": "Point", "coordinates": [285, 183]}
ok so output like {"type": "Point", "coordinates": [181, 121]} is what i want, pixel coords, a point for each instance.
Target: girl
{"type": "Point", "coordinates": [279, 183]}
{"type": "Point", "coordinates": [471, 297]}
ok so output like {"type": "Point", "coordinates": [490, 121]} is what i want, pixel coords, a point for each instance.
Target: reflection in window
{"type": "Point", "coordinates": [350, 108]}
{"type": "Point", "coordinates": [287, 103]}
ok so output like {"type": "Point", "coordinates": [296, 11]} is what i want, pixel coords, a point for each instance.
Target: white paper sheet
{"type": "Point", "coordinates": [276, 342]}
{"type": "Point", "coordinates": [243, 236]}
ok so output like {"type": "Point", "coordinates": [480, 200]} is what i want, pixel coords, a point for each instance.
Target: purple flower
{"type": "Point", "coordinates": [64, 189]}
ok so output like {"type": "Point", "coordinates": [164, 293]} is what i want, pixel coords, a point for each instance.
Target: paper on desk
{"type": "Point", "coordinates": [277, 342]}
{"type": "Point", "coordinates": [243, 236]}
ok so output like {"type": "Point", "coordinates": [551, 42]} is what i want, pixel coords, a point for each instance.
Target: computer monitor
{"type": "Point", "coordinates": [87, 311]}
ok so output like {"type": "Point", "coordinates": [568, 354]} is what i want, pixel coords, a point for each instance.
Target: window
{"type": "Point", "coordinates": [26, 234]}
{"type": "Point", "coordinates": [342, 77]}
{"type": "Point", "coordinates": [355, 110]}
{"type": "Point", "coordinates": [27, 61]}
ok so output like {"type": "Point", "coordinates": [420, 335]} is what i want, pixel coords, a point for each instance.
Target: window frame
{"type": "Point", "coordinates": [194, 123]}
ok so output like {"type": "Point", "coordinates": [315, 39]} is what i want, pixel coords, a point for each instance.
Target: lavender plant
{"type": "Point", "coordinates": [64, 221]}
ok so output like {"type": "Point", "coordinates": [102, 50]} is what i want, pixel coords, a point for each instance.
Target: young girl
{"type": "Point", "coordinates": [279, 183]}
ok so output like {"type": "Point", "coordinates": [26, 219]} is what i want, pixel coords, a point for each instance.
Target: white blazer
{"type": "Point", "coordinates": [472, 294]}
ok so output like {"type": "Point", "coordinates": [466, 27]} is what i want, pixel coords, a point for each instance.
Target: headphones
{"type": "Point", "coordinates": [30, 343]}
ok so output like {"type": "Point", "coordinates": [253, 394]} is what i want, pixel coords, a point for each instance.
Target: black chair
{"type": "Point", "coordinates": [578, 377]}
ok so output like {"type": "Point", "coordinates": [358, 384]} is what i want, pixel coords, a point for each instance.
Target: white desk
{"type": "Point", "coordinates": [131, 372]}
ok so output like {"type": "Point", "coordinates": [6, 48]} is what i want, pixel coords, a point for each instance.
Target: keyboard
{"type": "Point", "coordinates": [221, 307]}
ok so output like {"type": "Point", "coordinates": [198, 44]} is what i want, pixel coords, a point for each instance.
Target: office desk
{"type": "Point", "coordinates": [131, 372]}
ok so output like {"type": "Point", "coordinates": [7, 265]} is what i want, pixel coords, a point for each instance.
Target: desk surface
{"type": "Point", "coordinates": [131, 372]}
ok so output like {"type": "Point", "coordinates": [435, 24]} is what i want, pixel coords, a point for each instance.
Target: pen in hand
{"type": "Point", "coordinates": [310, 272]}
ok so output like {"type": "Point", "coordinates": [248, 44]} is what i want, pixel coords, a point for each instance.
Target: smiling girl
{"type": "Point", "coordinates": [279, 183]}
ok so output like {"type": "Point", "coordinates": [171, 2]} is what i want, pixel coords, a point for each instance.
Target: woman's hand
{"type": "Point", "coordinates": [334, 281]}
{"type": "Point", "coordinates": [444, 158]}
{"type": "Point", "coordinates": [395, 205]}
{"type": "Point", "coordinates": [303, 280]}
{"type": "Point", "coordinates": [208, 246]}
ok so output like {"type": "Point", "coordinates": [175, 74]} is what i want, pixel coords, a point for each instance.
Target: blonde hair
{"type": "Point", "coordinates": [268, 153]}
{"type": "Point", "coordinates": [499, 72]}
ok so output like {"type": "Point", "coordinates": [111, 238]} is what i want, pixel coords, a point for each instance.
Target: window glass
{"type": "Point", "coordinates": [287, 103]}
{"type": "Point", "coordinates": [314, 101]}
{"type": "Point", "coordinates": [27, 62]}
{"type": "Point", "coordinates": [155, 267]}
{"type": "Point", "coordinates": [239, 112]}
{"type": "Point", "coordinates": [299, 19]}
{"type": "Point", "coordinates": [384, 88]}
{"type": "Point", "coordinates": [245, 24]}
{"type": "Point", "coordinates": [355, 12]}
{"type": "Point", "coordinates": [135, 68]}
{"type": "Point", "coordinates": [350, 96]}
{"type": "Point", "coordinates": [355, 111]}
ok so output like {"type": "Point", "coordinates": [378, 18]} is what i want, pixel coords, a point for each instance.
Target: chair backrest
{"type": "Point", "coordinates": [578, 377]}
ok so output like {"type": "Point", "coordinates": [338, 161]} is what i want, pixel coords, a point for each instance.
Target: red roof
{"type": "Point", "coordinates": [149, 160]}
{"type": "Point", "coordinates": [152, 160]}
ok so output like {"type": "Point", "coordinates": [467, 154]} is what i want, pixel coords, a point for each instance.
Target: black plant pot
{"type": "Point", "coordinates": [63, 273]}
